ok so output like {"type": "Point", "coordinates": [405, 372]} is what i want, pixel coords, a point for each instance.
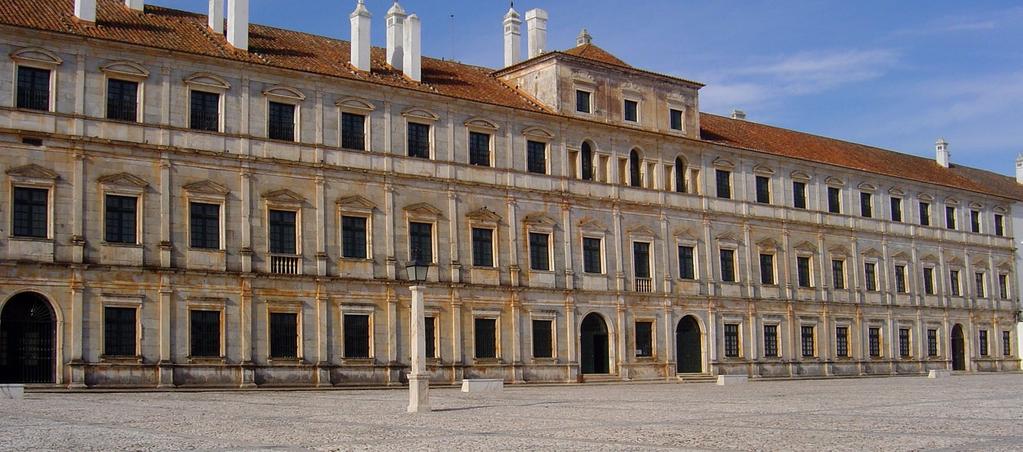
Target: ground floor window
{"type": "Point", "coordinates": [983, 342]}
{"type": "Point", "coordinates": [932, 342]}
{"type": "Point", "coordinates": [486, 338]}
{"type": "Point", "coordinates": [119, 331]}
{"type": "Point", "coordinates": [842, 341]}
{"type": "Point", "coordinates": [771, 341]}
{"type": "Point", "coordinates": [1006, 343]}
{"type": "Point", "coordinates": [806, 334]}
{"type": "Point", "coordinates": [356, 335]}
{"type": "Point", "coordinates": [204, 332]}
{"type": "Point", "coordinates": [644, 339]}
{"type": "Point", "coordinates": [904, 342]}
{"type": "Point", "coordinates": [874, 342]}
{"type": "Point", "coordinates": [732, 340]}
{"type": "Point", "coordinates": [283, 335]}
{"type": "Point", "coordinates": [543, 335]}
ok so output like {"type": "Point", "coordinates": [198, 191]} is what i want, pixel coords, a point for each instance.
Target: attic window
{"type": "Point", "coordinates": [583, 101]}
{"type": "Point", "coordinates": [631, 110]}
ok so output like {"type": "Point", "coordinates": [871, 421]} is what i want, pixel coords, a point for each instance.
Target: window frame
{"type": "Point", "coordinates": [834, 200]}
{"type": "Point", "coordinates": [810, 280]}
{"type": "Point", "coordinates": [845, 276]}
{"type": "Point", "coordinates": [955, 279]}
{"type": "Point", "coordinates": [211, 84]}
{"type": "Point", "coordinates": [24, 184]}
{"type": "Point", "coordinates": [901, 278]}
{"type": "Point", "coordinates": [905, 342]}
{"type": "Point", "coordinates": [723, 176]}
{"type": "Point", "coordinates": [546, 156]}
{"type": "Point", "coordinates": [652, 353]}
{"type": "Point", "coordinates": [933, 341]}
{"type": "Point", "coordinates": [638, 102]}
{"type": "Point", "coordinates": [285, 307]}
{"type": "Point", "coordinates": [871, 283]}
{"type": "Point", "coordinates": [866, 204]}
{"type": "Point", "coordinates": [804, 349]}
{"type": "Point", "coordinates": [842, 342]}
{"type": "Point", "coordinates": [726, 336]}
{"type": "Point", "coordinates": [433, 238]}
{"type": "Point", "coordinates": [776, 349]}
{"type": "Point", "coordinates": [543, 316]}
{"type": "Point", "coordinates": [875, 342]}
{"type": "Point", "coordinates": [895, 209]}
{"type": "Point", "coordinates": [602, 258]}
{"type": "Point", "coordinates": [734, 264]}
{"type": "Point", "coordinates": [36, 58]}
{"type": "Point", "coordinates": [768, 278]}
{"type": "Point", "coordinates": [763, 196]}
{"type": "Point", "coordinates": [358, 207]}
{"type": "Point", "coordinates": [360, 107]}
{"type": "Point", "coordinates": [589, 100]}
{"type": "Point", "coordinates": [495, 316]}
{"type": "Point", "coordinates": [983, 342]}
{"type": "Point", "coordinates": [208, 305]}
{"type": "Point", "coordinates": [976, 221]}
{"type": "Point", "coordinates": [799, 195]}
{"type": "Point", "coordinates": [924, 213]}
{"type": "Point", "coordinates": [681, 116]}
{"type": "Point", "coordinates": [473, 227]}
{"type": "Point", "coordinates": [105, 195]}
{"type": "Point", "coordinates": [691, 244]}
{"type": "Point", "coordinates": [353, 310]}
{"type": "Point", "coordinates": [130, 303]}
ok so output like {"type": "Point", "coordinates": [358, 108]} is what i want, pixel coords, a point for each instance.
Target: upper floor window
{"type": "Point", "coordinates": [583, 101]}
{"type": "Point", "coordinates": [30, 213]}
{"type": "Point", "coordinates": [975, 221]}
{"type": "Point", "coordinates": [727, 260]}
{"type": "Point", "coordinates": [479, 148]}
{"type": "Point", "coordinates": [204, 225]}
{"type": "Point", "coordinates": [866, 205]}
{"type": "Point", "coordinates": [999, 225]}
{"type": "Point", "coordinates": [420, 238]}
{"type": "Point", "coordinates": [1003, 286]}
{"type": "Point", "coordinates": [950, 217]}
{"type": "Point", "coordinates": [482, 247]}
{"type": "Point", "coordinates": [592, 261]}
{"type": "Point", "coordinates": [838, 273]}
{"type": "Point", "coordinates": [799, 194]}
{"type": "Point", "coordinates": [686, 262]}
{"type": "Point", "coordinates": [767, 269]}
{"type": "Point", "coordinates": [539, 251]}
{"type": "Point", "coordinates": [896, 204]}
{"type": "Point", "coordinates": [280, 121]}
{"type": "Point", "coordinates": [953, 277]}
{"type": "Point", "coordinates": [536, 157]}
{"type": "Point", "coordinates": [631, 110]}
{"type": "Point", "coordinates": [680, 175]}
{"type": "Point", "coordinates": [980, 282]}
{"type": "Point", "coordinates": [675, 119]}
{"type": "Point", "coordinates": [834, 200]}
{"type": "Point", "coordinates": [635, 169]}
{"type": "Point", "coordinates": [925, 214]}
{"type": "Point", "coordinates": [418, 140]}
{"type": "Point", "coordinates": [724, 183]}
{"type": "Point", "coordinates": [353, 131]}
{"type": "Point", "coordinates": [33, 88]}
{"type": "Point", "coordinates": [120, 218]}
{"type": "Point", "coordinates": [641, 259]}
{"type": "Point", "coordinates": [870, 275]}
{"type": "Point", "coordinates": [928, 280]}
{"type": "Point", "coordinates": [353, 237]}
{"type": "Point", "coordinates": [204, 111]}
{"type": "Point", "coordinates": [122, 100]}
{"type": "Point", "coordinates": [282, 230]}
{"type": "Point", "coordinates": [586, 161]}
{"type": "Point", "coordinates": [763, 189]}
{"type": "Point", "coordinates": [900, 279]}
{"type": "Point", "coordinates": [804, 272]}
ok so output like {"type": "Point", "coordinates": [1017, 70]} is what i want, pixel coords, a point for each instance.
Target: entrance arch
{"type": "Point", "coordinates": [594, 345]}
{"type": "Point", "coordinates": [28, 337]}
{"type": "Point", "coordinates": [958, 348]}
{"type": "Point", "coordinates": [688, 346]}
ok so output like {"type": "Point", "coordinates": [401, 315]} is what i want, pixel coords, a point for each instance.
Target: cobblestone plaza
{"type": "Point", "coordinates": [977, 412]}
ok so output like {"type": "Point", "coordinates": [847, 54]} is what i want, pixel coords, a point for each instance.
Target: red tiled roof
{"type": "Point", "coordinates": [175, 30]}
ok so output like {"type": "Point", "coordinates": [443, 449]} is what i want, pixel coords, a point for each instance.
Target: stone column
{"type": "Point", "coordinates": [322, 315]}
{"type": "Point", "coordinates": [245, 310]}
{"type": "Point", "coordinates": [78, 200]}
{"type": "Point", "coordinates": [566, 222]}
{"type": "Point", "coordinates": [77, 337]}
{"type": "Point", "coordinates": [571, 339]}
{"type": "Point", "coordinates": [513, 241]}
{"type": "Point", "coordinates": [456, 265]}
{"type": "Point", "coordinates": [516, 313]}
{"type": "Point", "coordinates": [166, 370]}
{"type": "Point", "coordinates": [246, 218]}
{"type": "Point", "coordinates": [321, 223]}
{"type": "Point", "coordinates": [389, 218]}
{"type": "Point", "coordinates": [165, 212]}
{"type": "Point", "coordinates": [393, 326]}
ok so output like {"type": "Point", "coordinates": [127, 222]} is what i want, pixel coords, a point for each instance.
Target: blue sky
{"type": "Point", "coordinates": [892, 74]}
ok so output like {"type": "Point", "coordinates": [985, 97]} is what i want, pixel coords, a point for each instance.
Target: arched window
{"type": "Point", "coordinates": [680, 175]}
{"type": "Point", "coordinates": [586, 161]}
{"type": "Point", "coordinates": [634, 171]}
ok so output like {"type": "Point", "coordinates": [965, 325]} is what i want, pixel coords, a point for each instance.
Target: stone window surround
{"type": "Point", "coordinates": [283, 200]}
{"type": "Point", "coordinates": [478, 219]}
{"type": "Point", "coordinates": [633, 95]}
{"type": "Point", "coordinates": [286, 307]}
{"type": "Point", "coordinates": [357, 106]}
{"type": "Point", "coordinates": [654, 349]}
{"type": "Point", "coordinates": [208, 83]}
{"type": "Point", "coordinates": [685, 175]}
{"type": "Point", "coordinates": [881, 338]}
{"type": "Point", "coordinates": [675, 102]}
{"type": "Point", "coordinates": [539, 135]}
{"type": "Point", "coordinates": [768, 247]}
{"type": "Point", "coordinates": [586, 84]}
{"type": "Point", "coordinates": [496, 315]}
{"type": "Point", "coordinates": [122, 301]}
{"type": "Point", "coordinates": [484, 126]}
{"type": "Point", "coordinates": [206, 192]}
{"type": "Point", "coordinates": [431, 311]}
{"type": "Point", "coordinates": [541, 224]}
{"type": "Point", "coordinates": [733, 245]}
{"type": "Point", "coordinates": [37, 58]}
{"type": "Point", "coordinates": [590, 230]}
{"type": "Point", "coordinates": [807, 250]}
{"type": "Point", "coordinates": [127, 71]}
{"type": "Point", "coordinates": [33, 176]}
{"type": "Point", "coordinates": [360, 309]}
{"type": "Point", "coordinates": [207, 304]}
{"type": "Point", "coordinates": [732, 319]}
{"type": "Point", "coordinates": [908, 324]}
{"type": "Point", "coordinates": [870, 258]}
{"type": "Point", "coordinates": [643, 234]}
{"type": "Point", "coordinates": [682, 239]}
{"type": "Point", "coordinates": [777, 321]}
{"type": "Point", "coordinates": [940, 339]}
{"type": "Point", "coordinates": [768, 172]}
{"type": "Point", "coordinates": [128, 185]}
{"type": "Point", "coordinates": [284, 95]}
{"type": "Point", "coordinates": [423, 213]}
{"type": "Point", "coordinates": [355, 206]}
{"type": "Point", "coordinates": [815, 323]}
{"type": "Point", "coordinates": [551, 316]}
{"type": "Point", "coordinates": [422, 116]}
{"type": "Point", "coordinates": [851, 346]}
{"type": "Point", "coordinates": [903, 261]}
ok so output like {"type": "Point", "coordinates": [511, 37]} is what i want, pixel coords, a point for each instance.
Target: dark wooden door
{"type": "Point", "coordinates": [688, 346]}
{"type": "Point", "coordinates": [27, 340]}
{"type": "Point", "coordinates": [593, 345]}
{"type": "Point", "coordinates": [958, 348]}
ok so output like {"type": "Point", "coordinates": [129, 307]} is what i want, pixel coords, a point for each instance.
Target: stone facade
{"type": "Point", "coordinates": [81, 157]}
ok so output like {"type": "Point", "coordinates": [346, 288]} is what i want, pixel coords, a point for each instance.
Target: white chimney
{"type": "Point", "coordinates": [941, 151]}
{"type": "Point", "coordinates": [238, 23]}
{"type": "Point", "coordinates": [85, 10]}
{"type": "Point", "coordinates": [137, 5]}
{"type": "Point", "coordinates": [739, 114]}
{"type": "Point", "coordinates": [512, 38]}
{"type": "Point", "coordinates": [1019, 168]}
{"type": "Point", "coordinates": [361, 19]}
{"type": "Point", "coordinates": [536, 24]}
{"type": "Point", "coordinates": [413, 49]}
{"type": "Point", "coordinates": [217, 16]}
{"type": "Point", "coordinates": [396, 36]}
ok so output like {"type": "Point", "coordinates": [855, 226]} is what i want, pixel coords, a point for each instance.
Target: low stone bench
{"type": "Point", "coordinates": [482, 385]}
{"type": "Point", "coordinates": [726, 380]}
{"type": "Point", "coordinates": [939, 373]}
{"type": "Point", "coordinates": [8, 392]}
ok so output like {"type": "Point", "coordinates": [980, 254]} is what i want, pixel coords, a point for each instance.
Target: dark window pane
{"type": "Point", "coordinates": [680, 175]}
{"type": "Point", "coordinates": [641, 259]}
{"type": "Point", "coordinates": [904, 342]}
{"type": "Point", "coordinates": [281, 121]}
{"type": "Point", "coordinates": [1006, 343]}
{"type": "Point", "coordinates": [122, 100]}
{"type": "Point", "coordinates": [644, 339]}
{"type": "Point", "coordinates": [982, 337]}
{"type": "Point", "coordinates": [418, 140]}
{"type": "Point", "coordinates": [33, 88]}
{"type": "Point", "coordinates": [925, 214]}
{"type": "Point", "coordinates": [421, 242]}
{"type": "Point", "coordinates": [676, 119]}
{"type": "Point", "coordinates": [950, 217]}
{"type": "Point", "coordinates": [204, 111]}
{"type": "Point", "coordinates": [932, 342]}
{"type": "Point", "coordinates": [430, 331]}
{"type": "Point", "coordinates": [631, 110]}
{"type": "Point", "coordinates": [482, 247]}
{"type": "Point", "coordinates": [282, 232]}
{"type": "Point", "coordinates": [953, 277]}
{"type": "Point", "coordinates": [727, 265]}
{"type": "Point", "coordinates": [536, 157]}
{"type": "Point", "coordinates": [356, 336]}
{"type": "Point", "coordinates": [807, 341]}
{"type": "Point", "coordinates": [686, 262]}
{"type": "Point", "coordinates": [999, 225]}
{"type": "Point", "coordinates": [838, 274]}
{"type": "Point", "coordinates": [486, 338]}
{"type": "Point", "coordinates": [724, 184]}
{"type": "Point", "coordinates": [635, 169]}
{"type": "Point", "coordinates": [582, 101]}
{"type": "Point", "coordinates": [896, 209]}
{"type": "Point", "coordinates": [866, 205]}
{"type": "Point", "coordinates": [731, 340]}
{"type": "Point", "coordinates": [119, 332]}
{"type": "Point", "coordinates": [928, 281]}
{"type": "Point", "coordinates": [834, 200]}
{"type": "Point", "coordinates": [204, 334]}
{"type": "Point", "coordinates": [771, 341]}
{"type": "Point", "coordinates": [803, 271]}
{"type": "Point", "coordinates": [900, 279]}
{"type": "Point", "coordinates": [204, 222]}
{"type": "Point", "coordinates": [120, 218]}
{"type": "Point", "coordinates": [353, 131]}
{"type": "Point", "coordinates": [842, 341]}
{"type": "Point", "coordinates": [479, 149]}
{"type": "Point", "coordinates": [586, 161]}
{"type": "Point", "coordinates": [870, 273]}
{"type": "Point", "coordinates": [539, 251]}
{"type": "Point", "coordinates": [763, 190]}
{"type": "Point", "coordinates": [353, 237]}
{"type": "Point", "coordinates": [30, 212]}
{"type": "Point", "coordinates": [543, 344]}
{"type": "Point", "coordinates": [767, 269]}
{"type": "Point", "coordinates": [979, 283]}
{"type": "Point", "coordinates": [283, 335]}
{"type": "Point", "coordinates": [592, 262]}
{"type": "Point", "coordinates": [799, 195]}
{"type": "Point", "coordinates": [975, 221]}
{"type": "Point", "coordinates": [874, 342]}
{"type": "Point", "coordinates": [1003, 287]}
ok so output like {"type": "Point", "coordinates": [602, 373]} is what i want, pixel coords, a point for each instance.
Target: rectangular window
{"type": "Point", "coordinates": [983, 342]}
{"type": "Point", "coordinates": [204, 226]}
{"type": "Point", "coordinates": [33, 88]}
{"type": "Point", "coordinates": [724, 184]}
{"type": "Point", "coordinates": [799, 195]}
{"type": "Point", "coordinates": [763, 190]}
{"type": "Point", "coordinates": [543, 339]}
{"type": "Point", "coordinates": [420, 239]}
{"type": "Point", "coordinates": [896, 209]}
{"type": "Point", "coordinates": [767, 269]}
{"type": "Point", "coordinates": [644, 339]}
{"type": "Point", "coordinates": [356, 335]}
{"type": "Point", "coordinates": [834, 200]}
{"type": "Point", "coordinates": [838, 273]}
{"type": "Point", "coordinates": [592, 262]}
{"type": "Point", "coordinates": [353, 237]}
{"type": "Point", "coordinates": [486, 338]}
{"type": "Point", "coordinates": [280, 121]}
{"type": "Point", "coordinates": [641, 259]}
{"type": "Point", "coordinates": [204, 334]}
{"type": "Point", "coordinates": [950, 217]}
{"type": "Point", "coordinates": [1003, 286]}
{"type": "Point", "coordinates": [675, 118]}
{"type": "Point", "coordinates": [430, 331]}
{"type": "Point", "coordinates": [204, 111]}
{"type": "Point", "coordinates": [999, 225]}
{"type": "Point", "coordinates": [980, 282]}
{"type": "Point", "coordinates": [731, 340]}
{"type": "Point", "coordinates": [866, 205]}
{"type": "Point", "coordinates": [771, 341]}
{"type": "Point", "coordinates": [807, 340]}
{"type": "Point", "coordinates": [928, 281]}
{"type": "Point", "coordinates": [842, 341]}
{"type": "Point", "coordinates": [353, 131]}
{"type": "Point", "coordinates": [803, 272]}
{"type": "Point", "coordinates": [631, 111]}
{"type": "Point", "coordinates": [119, 331]}
{"type": "Point", "coordinates": [686, 262]}
{"type": "Point", "coordinates": [30, 213]}
{"type": "Point", "coordinates": [874, 342]}
{"type": "Point", "coordinates": [479, 149]}
{"type": "Point", "coordinates": [932, 342]}
{"type": "Point", "coordinates": [120, 217]}
{"type": "Point", "coordinates": [536, 157]}
{"type": "Point", "coordinates": [582, 101]}
{"type": "Point", "coordinates": [482, 247]}
{"type": "Point", "coordinates": [539, 251]}
{"type": "Point", "coordinates": [953, 277]}
{"type": "Point", "coordinates": [418, 140]}
{"type": "Point", "coordinates": [122, 100]}
{"type": "Point", "coordinates": [925, 214]}
{"type": "Point", "coordinates": [283, 231]}
{"type": "Point", "coordinates": [283, 335]}
{"type": "Point", "coordinates": [904, 343]}
{"type": "Point", "coordinates": [975, 221]}
{"type": "Point", "coordinates": [727, 265]}
{"type": "Point", "coordinates": [870, 274]}
{"type": "Point", "coordinates": [900, 279]}
{"type": "Point", "coordinates": [1006, 343]}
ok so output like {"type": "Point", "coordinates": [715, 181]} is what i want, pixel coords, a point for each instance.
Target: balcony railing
{"type": "Point", "coordinates": [644, 285]}
{"type": "Point", "coordinates": [283, 264]}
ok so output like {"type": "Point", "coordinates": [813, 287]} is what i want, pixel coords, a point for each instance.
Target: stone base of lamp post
{"type": "Point", "coordinates": [418, 393]}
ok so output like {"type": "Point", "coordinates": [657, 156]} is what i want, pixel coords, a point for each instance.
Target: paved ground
{"type": "Point", "coordinates": [962, 412]}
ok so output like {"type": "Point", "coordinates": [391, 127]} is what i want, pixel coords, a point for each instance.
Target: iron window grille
{"type": "Point", "coordinates": [122, 100]}
{"type": "Point", "coordinates": [731, 340]}
{"type": "Point", "coordinates": [838, 273]}
{"type": "Point", "coordinates": [482, 247]}
{"type": "Point", "coordinates": [763, 184]}
{"type": "Point", "coordinates": [834, 200]}
{"type": "Point", "coordinates": [281, 121]}
{"type": "Point", "coordinates": [479, 149]}
{"type": "Point", "coordinates": [767, 269]}
{"type": "Point", "coordinates": [283, 335]}
{"type": "Point", "coordinates": [119, 331]}
{"type": "Point", "coordinates": [874, 342]}
{"type": "Point", "coordinates": [353, 237]}
{"type": "Point", "coordinates": [539, 251]}
{"type": "Point", "coordinates": [724, 184]}
{"type": "Point", "coordinates": [353, 131]}
{"type": "Point", "coordinates": [900, 279]}
{"type": "Point", "coordinates": [644, 339]}
{"type": "Point", "coordinates": [641, 259]}
{"type": "Point", "coordinates": [204, 334]}
{"type": "Point", "coordinates": [631, 111]}
{"type": "Point", "coordinates": [925, 214]}
{"type": "Point", "coordinates": [896, 205]}
{"type": "Point", "coordinates": [591, 255]}
{"type": "Point", "coordinates": [807, 341]}
{"type": "Point", "coordinates": [771, 341]}
{"type": "Point", "coordinates": [932, 342]}
{"type": "Point", "coordinates": [727, 258]}
{"type": "Point", "coordinates": [870, 274]}
{"type": "Point", "coordinates": [486, 338]}
{"type": "Point", "coordinates": [30, 212]}
{"type": "Point", "coordinates": [982, 336]}
{"type": "Point", "coordinates": [543, 346]}
{"type": "Point", "coordinates": [1006, 343]}
{"type": "Point", "coordinates": [536, 157]}
{"type": "Point", "coordinates": [799, 195]}
{"type": "Point", "coordinates": [803, 272]}
{"type": "Point", "coordinates": [120, 219]}
{"type": "Point", "coordinates": [676, 119]}
{"type": "Point", "coordinates": [33, 88]}
{"type": "Point", "coordinates": [418, 140]}
{"type": "Point", "coordinates": [904, 342]}
{"type": "Point", "coordinates": [421, 241]}
{"type": "Point", "coordinates": [842, 341]}
{"type": "Point", "coordinates": [204, 111]}
{"type": "Point", "coordinates": [356, 335]}
{"type": "Point", "coordinates": [686, 262]}
{"type": "Point", "coordinates": [430, 336]}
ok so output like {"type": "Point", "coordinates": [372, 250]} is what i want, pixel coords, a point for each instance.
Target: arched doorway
{"type": "Point", "coordinates": [593, 345]}
{"type": "Point", "coordinates": [28, 352]}
{"type": "Point", "coordinates": [958, 348]}
{"type": "Point", "coordinates": [688, 346]}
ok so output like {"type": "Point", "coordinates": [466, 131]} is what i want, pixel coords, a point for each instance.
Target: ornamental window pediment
{"type": "Point", "coordinates": [806, 247]}
{"type": "Point", "coordinates": [285, 93]}
{"type": "Point", "coordinates": [205, 80]}
{"type": "Point", "coordinates": [355, 203]}
{"type": "Point", "coordinates": [723, 163]}
{"type": "Point", "coordinates": [421, 114]}
{"type": "Point", "coordinates": [481, 123]}
{"type": "Point", "coordinates": [484, 215]}
{"type": "Point", "coordinates": [123, 180]}
{"type": "Point", "coordinates": [539, 219]}
{"type": "Point", "coordinates": [355, 104]}
{"type": "Point", "coordinates": [763, 170]}
{"type": "Point", "coordinates": [422, 210]}
{"type": "Point", "coordinates": [800, 176]}
{"type": "Point", "coordinates": [206, 187]}
{"type": "Point", "coordinates": [538, 132]}
{"type": "Point", "coordinates": [589, 224]}
{"type": "Point", "coordinates": [641, 232]}
{"type": "Point", "coordinates": [33, 172]}
{"type": "Point", "coordinates": [768, 245]}
{"type": "Point", "coordinates": [125, 69]}
{"type": "Point", "coordinates": [283, 198]}
{"type": "Point", "coordinates": [37, 56]}
{"type": "Point", "coordinates": [834, 182]}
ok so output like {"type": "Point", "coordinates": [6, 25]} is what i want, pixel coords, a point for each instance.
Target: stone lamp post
{"type": "Point", "coordinates": [418, 380]}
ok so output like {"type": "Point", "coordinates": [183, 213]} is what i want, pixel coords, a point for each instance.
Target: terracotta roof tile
{"type": "Point", "coordinates": [595, 53]}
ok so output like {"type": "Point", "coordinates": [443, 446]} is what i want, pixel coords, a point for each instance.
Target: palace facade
{"type": "Point", "coordinates": [189, 201]}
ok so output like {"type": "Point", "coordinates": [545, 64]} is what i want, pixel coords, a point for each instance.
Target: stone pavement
{"type": "Point", "coordinates": [978, 412]}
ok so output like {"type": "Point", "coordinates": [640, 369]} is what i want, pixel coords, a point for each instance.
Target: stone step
{"type": "Point", "coordinates": [697, 378]}
{"type": "Point", "coordinates": [597, 378]}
